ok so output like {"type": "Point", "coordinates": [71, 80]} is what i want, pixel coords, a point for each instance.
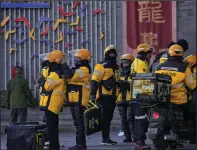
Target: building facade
{"type": "Point", "coordinates": [110, 23]}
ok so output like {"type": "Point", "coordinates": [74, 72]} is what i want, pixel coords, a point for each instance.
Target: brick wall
{"type": "Point", "coordinates": [186, 23]}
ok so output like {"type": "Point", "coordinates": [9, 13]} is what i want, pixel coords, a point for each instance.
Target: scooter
{"type": "Point", "coordinates": [168, 128]}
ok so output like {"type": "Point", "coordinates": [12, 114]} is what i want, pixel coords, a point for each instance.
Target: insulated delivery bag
{"type": "Point", "coordinates": [151, 87]}
{"type": "Point", "coordinates": [93, 118]}
{"type": "Point", "coordinates": [25, 136]}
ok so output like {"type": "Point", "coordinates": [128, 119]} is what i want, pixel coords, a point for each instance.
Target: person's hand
{"type": "Point", "coordinates": [40, 79]}
{"type": "Point", "coordinates": [93, 98]}
{"type": "Point", "coordinates": [39, 75]}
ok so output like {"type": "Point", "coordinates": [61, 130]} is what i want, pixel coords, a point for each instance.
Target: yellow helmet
{"type": "Point", "coordinates": [55, 56]}
{"type": "Point", "coordinates": [190, 60]}
{"type": "Point", "coordinates": [176, 50]}
{"type": "Point", "coordinates": [83, 54]}
{"type": "Point", "coordinates": [108, 48]}
{"type": "Point", "coordinates": [128, 57]}
{"type": "Point", "coordinates": [144, 47]}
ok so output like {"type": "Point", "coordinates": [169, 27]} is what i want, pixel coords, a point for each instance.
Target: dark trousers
{"type": "Point", "coordinates": [77, 112]}
{"type": "Point", "coordinates": [108, 103]}
{"type": "Point", "coordinates": [141, 123]}
{"type": "Point", "coordinates": [19, 114]}
{"type": "Point", "coordinates": [187, 107]}
{"type": "Point", "coordinates": [127, 119]}
{"type": "Point", "coordinates": [46, 136]}
{"type": "Point", "coordinates": [52, 122]}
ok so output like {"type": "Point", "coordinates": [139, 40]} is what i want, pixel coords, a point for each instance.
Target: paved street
{"type": "Point", "coordinates": [68, 139]}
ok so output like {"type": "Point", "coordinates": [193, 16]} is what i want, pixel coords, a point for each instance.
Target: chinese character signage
{"type": "Point", "coordinates": [152, 22]}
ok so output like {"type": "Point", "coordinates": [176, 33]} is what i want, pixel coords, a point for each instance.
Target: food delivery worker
{"type": "Point", "coordinates": [124, 98]}
{"type": "Point", "coordinates": [160, 58]}
{"type": "Point", "coordinates": [104, 85]}
{"type": "Point", "coordinates": [141, 65]}
{"type": "Point", "coordinates": [181, 77]}
{"type": "Point", "coordinates": [78, 95]}
{"type": "Point", "coordinates": [53, 87]}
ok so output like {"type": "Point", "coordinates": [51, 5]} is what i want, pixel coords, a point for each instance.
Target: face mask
{"type": "Point", "coordinates": [111, 59]}
{"type": "Point", "coordinates": [77, 61]}
{"type": "Point", "coordinates": [126, 69]}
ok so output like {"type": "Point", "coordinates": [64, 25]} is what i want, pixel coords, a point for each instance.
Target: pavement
{"type": "Point", "coordinates": [94, 142]}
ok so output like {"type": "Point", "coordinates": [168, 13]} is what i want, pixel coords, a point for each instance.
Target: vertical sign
{"type": "Point", "coordinates": [152, 22]}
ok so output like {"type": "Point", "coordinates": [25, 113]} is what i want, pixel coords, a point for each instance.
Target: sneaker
{"type": "Point", "coordinates": [78, 147]}
{"type": "Point", "coordinates": [46, 146]}
{"type": "Point", "coordinates": [127, 140]}
{"type": "Point", "coordinates": [142, 146]}
{"type": "Point", "coordinates": [121, 133]}
{"type": "Point", "coordinates": [46, 143]}
{"type": "Point", "coordinates": [62, 146]}
{"type": "Point", "coordinates": [108, 142]}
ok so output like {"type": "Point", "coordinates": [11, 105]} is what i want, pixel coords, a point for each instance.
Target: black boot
{"type": "Point", "coordinates": [108, 141]}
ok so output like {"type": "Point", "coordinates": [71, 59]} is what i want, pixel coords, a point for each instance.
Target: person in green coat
{"type": "Point", "coordinates": [18, 95]}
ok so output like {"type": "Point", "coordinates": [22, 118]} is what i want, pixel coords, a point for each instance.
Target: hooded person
{"type": "Point", "coordinates": [53, 99]}
{"type": "Point", "coordinates": [104, 89]}
{"type": "Point", "coordinates": [141, 65]}
{"type": "Point", "coordinates": [18, 95]}
{"type": "Point", "coordinates": [124, 98]}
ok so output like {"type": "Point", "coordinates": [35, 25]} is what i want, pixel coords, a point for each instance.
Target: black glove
{"type": "Point", "coordinates": [94, 87]}
{"type": "Point", "coordinates": [66, 71]}
{"type": "Point", "coordinates": [41, 81]}
{"type": "Point", "coordinates": [45, 63]}
{"type": "Point", "coordinates": [124, 85]}
{"type": "Point", "coordinates": [122, 88]}
{"type": "Point", "coordinates": [93, 98]}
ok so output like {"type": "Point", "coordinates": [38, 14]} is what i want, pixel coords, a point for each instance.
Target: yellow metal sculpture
{"type": "Point", "coordinates": [76, 22]}
{"type": "Point", "coordinates": [8, 33]}
{"type": "Point", "coordinates": [60, 38]}
{"type": "Point", "coordinates": [57, 23]}
{"type": "Point", "coordinates": [31, 34]}
{"type": "Point", "coordinates": [11, 50]}
{"type": "Point", "coordinates": [101, 35]}
{"type": "Point", "coordinates": [5, 21]}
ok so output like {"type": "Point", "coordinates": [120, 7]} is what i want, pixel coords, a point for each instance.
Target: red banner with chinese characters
{"type": "Point", "coordinates": [149, 22]}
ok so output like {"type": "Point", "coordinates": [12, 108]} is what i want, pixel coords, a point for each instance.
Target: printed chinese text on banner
{"type": "Point", "coordinates": [149, 22]}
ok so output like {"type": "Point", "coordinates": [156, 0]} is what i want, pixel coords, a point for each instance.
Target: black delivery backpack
{"type": "Point", "coordinates": [93, 118]}
{"type": "Point", "coordinates": [25, 136]}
